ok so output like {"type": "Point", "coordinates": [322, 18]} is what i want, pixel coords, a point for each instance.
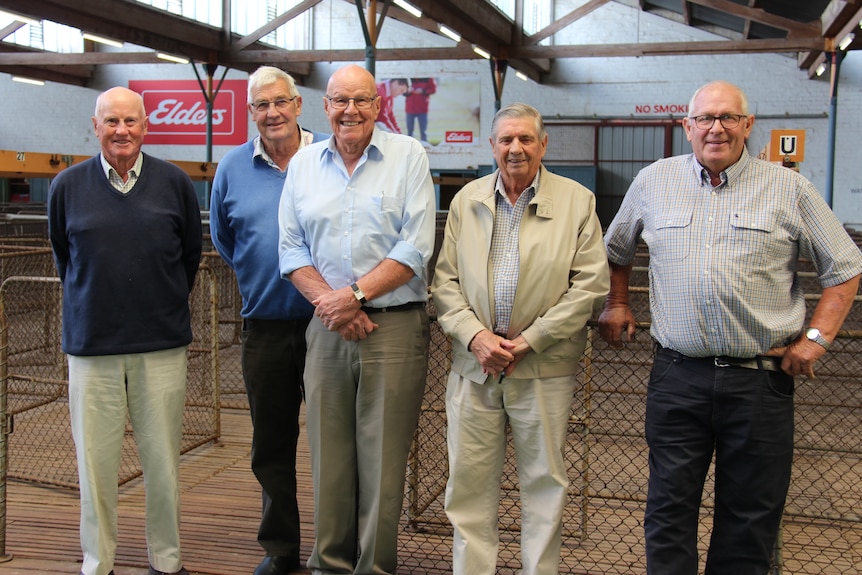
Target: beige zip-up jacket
{"type": "Point", "coordinates": [563, 276]}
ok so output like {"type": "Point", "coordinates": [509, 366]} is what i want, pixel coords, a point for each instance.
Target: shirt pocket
{"type": "Point", "coordinates": [387, 212]}
{"type": "Point", "coordinates": [752, 238]}
{"type": "Point", "coordinates": [672, 240]}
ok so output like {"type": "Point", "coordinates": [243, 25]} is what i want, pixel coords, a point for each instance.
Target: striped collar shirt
{"type": "Point", "coordinates": [305, 138]}
{"type": "Point", "coordinates": [723, 259]}
{"type": "Point", "coordinates": [505, 253]}
{"type": "Point", "coordinates": [114, 178]}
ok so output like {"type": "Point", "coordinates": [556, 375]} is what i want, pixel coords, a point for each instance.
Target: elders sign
{"type": "Point", "coordinates": [177, 112]}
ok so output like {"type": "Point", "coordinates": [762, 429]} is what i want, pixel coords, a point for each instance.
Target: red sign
{"type": "Point", "coordinates": [177, 112]}
{"type": "Point", "coordinates": [459, 137]}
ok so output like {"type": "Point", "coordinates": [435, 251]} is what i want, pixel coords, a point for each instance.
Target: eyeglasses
{"type": "Point", "coordinates": [727, 121]}
{"type": "Point", "coordinates": [361, 102]}
{"type": "Point", "coordinates": [281, 105]}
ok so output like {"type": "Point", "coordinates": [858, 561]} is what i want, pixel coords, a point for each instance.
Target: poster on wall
{"type": "Point", "coordinates": [441, 111]}
{"type": "Point", "coordinates": [177, 112]}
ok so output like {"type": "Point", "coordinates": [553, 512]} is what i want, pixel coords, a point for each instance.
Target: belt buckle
{"type": "Point", "coordinates": [717, 361]}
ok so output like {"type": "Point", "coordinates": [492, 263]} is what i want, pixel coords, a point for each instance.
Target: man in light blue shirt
{"type": "Point", "coordinates": [356, 233]}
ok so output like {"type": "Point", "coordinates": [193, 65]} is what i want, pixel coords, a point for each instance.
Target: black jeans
{"type": "Point", "coordinates": [273, 360]}
{"type": "Point", "coordinates": [745, 417]}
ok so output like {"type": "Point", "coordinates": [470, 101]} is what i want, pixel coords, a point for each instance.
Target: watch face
{"type": "Point", "coordinates": [814, 335]}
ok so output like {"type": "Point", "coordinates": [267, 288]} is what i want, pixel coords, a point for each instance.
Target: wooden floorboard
{"type": "Point", "coordinates": [221, 509]}
{"type": "Point", "coordinates": [220, 513]}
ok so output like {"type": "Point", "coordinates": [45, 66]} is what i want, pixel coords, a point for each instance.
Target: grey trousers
{"type": "Point", "coordinates": [362, 400]}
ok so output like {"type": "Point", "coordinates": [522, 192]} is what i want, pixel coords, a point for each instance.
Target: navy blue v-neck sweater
{"type": "Point", "coordinates": [127, 261]}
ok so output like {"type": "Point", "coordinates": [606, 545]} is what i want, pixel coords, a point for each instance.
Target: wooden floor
{"type": "Point", "coordinates": [220, 513]}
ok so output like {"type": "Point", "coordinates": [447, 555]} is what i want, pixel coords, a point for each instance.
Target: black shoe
{"type": "Point", "coordinates": [152, 571]}
{"type": "Point", "coordinates": [277, 565]}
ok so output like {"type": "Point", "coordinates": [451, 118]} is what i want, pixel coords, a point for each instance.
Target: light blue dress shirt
{"type": "Point", "coordinates": [345, 225]}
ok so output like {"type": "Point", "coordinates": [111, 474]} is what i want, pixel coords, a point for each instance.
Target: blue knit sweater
{"type": "Point", "coordinates": [127, 261]}
{"type": "Point", "coordinates": [244, 227]}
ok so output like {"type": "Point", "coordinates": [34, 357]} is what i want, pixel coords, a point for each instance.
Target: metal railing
{"type": "Point", "coordinates": [35, 437]}
{"type": "Point", "coordinates": [606, 451]}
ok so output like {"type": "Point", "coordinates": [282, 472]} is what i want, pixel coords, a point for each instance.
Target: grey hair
{"type": "Point", "coordinates": [519, 110]}
{"type": "Point", "coordinates": [267, 75]}
{"type": "Point", "coordinates": [742, 97]}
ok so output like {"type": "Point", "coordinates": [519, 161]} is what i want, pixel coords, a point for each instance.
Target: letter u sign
{"type": "Point", "coordinates": [787, 145]}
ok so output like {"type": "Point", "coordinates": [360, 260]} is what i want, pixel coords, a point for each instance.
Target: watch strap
{"type": "Point", "coordinates": [813, 334]}
{"type": "Point", "coordinates": [358, 293]}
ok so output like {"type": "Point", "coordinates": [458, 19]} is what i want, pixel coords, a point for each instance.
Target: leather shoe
{"type": "Point", "coordinates": [152, 571]}
{"type": "Point", "coordinates": [278, 565]}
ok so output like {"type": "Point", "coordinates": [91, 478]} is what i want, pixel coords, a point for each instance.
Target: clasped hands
{"type": "Point", "coordinates": [340, 311]}
{"type": "Point", "coordinates": [498, 355]}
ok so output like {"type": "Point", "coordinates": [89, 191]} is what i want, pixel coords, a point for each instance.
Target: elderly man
{"type": "Point", "coordinates": [521, 270]}
{"type": "Point", "coordinates": [126, 233]}
{"type": "Point", "coordinates": [725, 232]}
{"type": "Point", "coordinates": [356, 234]}
{"type": "Point", "coordinates": [246, 191]}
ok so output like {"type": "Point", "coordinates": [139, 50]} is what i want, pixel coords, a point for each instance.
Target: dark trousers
{"type": "Point", "coordinates": [273, 360]}
{"type": "Point", "coordinates": [745, 417]}
{"type": "Point", "coordinates": [423, 125]}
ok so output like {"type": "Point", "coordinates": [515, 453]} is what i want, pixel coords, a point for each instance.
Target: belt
{"type": "Point", "coordinates": [761, 362]}
{"type": "Point", "coordinates": [392, 308]}
{"type": "Point", "coordinates": [251, 323]}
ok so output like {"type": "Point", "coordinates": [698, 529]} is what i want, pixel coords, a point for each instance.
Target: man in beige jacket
{"type": "Point", "coordinates": [515, 296]}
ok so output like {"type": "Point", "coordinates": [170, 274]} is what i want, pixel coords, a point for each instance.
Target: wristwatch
{"type": "Point", "coordinates": [361, 296]}
{"type": "Point", "coordinates": [814, 335]}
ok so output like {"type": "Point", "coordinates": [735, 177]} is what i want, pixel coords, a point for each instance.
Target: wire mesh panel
{"type": "Point", "coordinates": [606, 451]}
{"type": "Point", "coordinates": [40, 446]}
{"type": "Point", "coordinates": [232, 389]}
{"type": "Point", "coordinates": [607, 455]}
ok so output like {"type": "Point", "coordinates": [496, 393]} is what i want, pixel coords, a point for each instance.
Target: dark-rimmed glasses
{"type": "Point", "coordinates": [728, 121]}
{"type": "Point", "coordinates": [281, 105]}
{"type": "Point", "coordinates": [361, 102]}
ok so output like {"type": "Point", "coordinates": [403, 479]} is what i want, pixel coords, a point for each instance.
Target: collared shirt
{"type": "Point", "coordinates": [723, 259]}
{"type": "Point", "coordinates": [115, 179]}
{"type": "Point", "coordinates": [505, 253]}
{"type": "Point", "coordinates": [305, 138]}
{"type": "Point", "coordinates": [345, 225]}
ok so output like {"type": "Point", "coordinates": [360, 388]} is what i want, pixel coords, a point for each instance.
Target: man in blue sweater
{"type": "Point", "coordinates": [244, 229]}
{"type": "Point", "coordinates": [126, 233]}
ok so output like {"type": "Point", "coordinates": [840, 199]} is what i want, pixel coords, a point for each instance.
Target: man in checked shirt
{"type": "Point", "coordinates": [725, 232]}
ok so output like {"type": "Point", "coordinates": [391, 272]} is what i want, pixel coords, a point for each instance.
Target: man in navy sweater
{"type": "Point", "coordinates": [126, 233]}
{"type": "Point", "coordinates": [244, 229]}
